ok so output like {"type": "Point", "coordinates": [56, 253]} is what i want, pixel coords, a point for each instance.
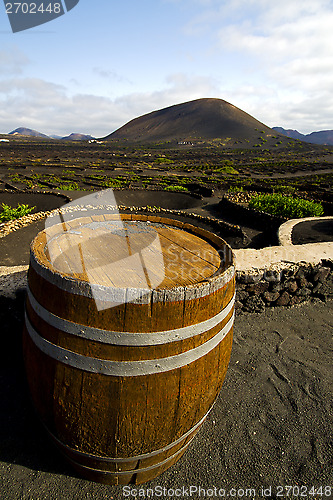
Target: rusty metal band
{"type": "Point", "coordinates": [126, 368]}
{"type": "Point", "coordinates": [136, 458]}
{"type": "Point", "coordinates": [127, 338]}
{"type": "Point", "coordinates": [124, 295]}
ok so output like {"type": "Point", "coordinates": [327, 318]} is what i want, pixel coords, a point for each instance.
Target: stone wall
{"type": "Point", "coordinates": [287, 287]}
{"type": "Point", "coordinates": [242, 213]}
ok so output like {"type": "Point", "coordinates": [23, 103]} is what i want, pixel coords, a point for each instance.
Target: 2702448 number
{"type": "Point", "coordinates": [31, 8]}
{"type": "Point", "coordinates": [303, 491]}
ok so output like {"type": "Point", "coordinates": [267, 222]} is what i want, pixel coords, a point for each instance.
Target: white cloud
{"type": "Point", "coordinates": [49, 108]}
{"type": "Point", "coordinates": [12, 61]}
{"type": "Point", "coordinates": [309, 114]}
{"type": "Point", "coordinates": [274, 39]}
{"type": "Point", "coordinates": [271, 59]}
{"type": "Point", "coordinates": [282, 53]}
{"type": "Point", "coordinates": [111, 75]}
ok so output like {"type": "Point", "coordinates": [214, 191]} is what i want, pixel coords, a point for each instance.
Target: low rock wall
{"type": "Point", "coordinates": [242, 214]}
{"type": "Point", "coordinates": [254, 293]}
{"type": "Point", "coordinates": [220, 225]}
{"type": "Point", "coordinates": [287, 287]}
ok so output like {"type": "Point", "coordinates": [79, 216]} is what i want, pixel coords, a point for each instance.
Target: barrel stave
{"type": "Point", "coordinates": [130, 427]}
{"type": "Point", "coordinates": [175, 400]}
{"type": "Point", "coordinates": [86, 346]}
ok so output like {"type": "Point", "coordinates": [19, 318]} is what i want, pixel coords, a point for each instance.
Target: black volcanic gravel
{"type": "Point", "coordinates": [312, 232]}
{"type": "Point", "coordinates": [271, 425]}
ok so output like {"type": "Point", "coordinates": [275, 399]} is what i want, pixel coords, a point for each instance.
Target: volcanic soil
{"type": "Point", "coordinates": [270, 427]}
{"type": "Point", "coordinates": [272, 423]}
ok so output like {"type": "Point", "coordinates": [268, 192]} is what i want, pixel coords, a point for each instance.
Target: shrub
{"type": "Point", "coordinates": [115, 183]}
{"type": "Point", "coordinates": [72, 186]}
{"type": "Point", "coordinates": [228, 169]}
{"type": "Point", "coordinates": [285, 189]}
{"type": "Point", "coordinates": [236, 189]}
{"type": "Point", "coordinates": [8, 213]}
{"type": "Point", "coordinates": [278, 204]}
{"type": "Point", "coordinates": [163, 160]}
{"type": "Point", "coordinates": [176, 188]}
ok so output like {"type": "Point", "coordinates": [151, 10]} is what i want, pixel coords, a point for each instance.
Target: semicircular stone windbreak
{"type": "Point", "coordinates": [23, 16]}
{"type": "Point", "coordinates": [286, 230]}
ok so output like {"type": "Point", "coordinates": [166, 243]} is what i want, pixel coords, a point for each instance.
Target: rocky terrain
{"type": "Point", "coordinates": [291, 286]}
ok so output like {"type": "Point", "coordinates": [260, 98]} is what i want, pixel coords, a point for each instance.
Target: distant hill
{"type": "Point", "coordinates": [204, 119]}
{"type": "Point", "coordinates": [27, 132]}
{"type": "Point", "coordinates": [322, 137]}
{"type": "Point", "coordinates": [77, 137]}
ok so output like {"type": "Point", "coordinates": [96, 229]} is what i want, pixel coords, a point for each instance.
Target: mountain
{"type": "Point", "coordinates": [203, 119]}
{"type": "Point", "coordinates": [324, 137]}
{"type": "Point", "coordinates": [77, 137]}
{"type": "Point", "coordinates": [294, 134]}
{"type": "Point", "coordinates": [27, 132]}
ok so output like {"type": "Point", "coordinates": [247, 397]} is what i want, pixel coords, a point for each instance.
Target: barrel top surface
{"type": "Point", "coordinates": [128, 252]}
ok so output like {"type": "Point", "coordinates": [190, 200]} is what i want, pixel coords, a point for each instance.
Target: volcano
{"type": "Point", "coordinates": [201, 119]}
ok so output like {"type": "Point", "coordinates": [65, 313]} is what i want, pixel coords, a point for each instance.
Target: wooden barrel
{"type": "Point", "coordinates": [124, 365]}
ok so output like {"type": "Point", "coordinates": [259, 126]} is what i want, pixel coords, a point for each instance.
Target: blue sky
{"type": "Point", "coordinates": [106, 62]}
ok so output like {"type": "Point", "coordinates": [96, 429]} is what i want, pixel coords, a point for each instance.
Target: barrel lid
{"type": "Point", "coordinates": [131, 251]}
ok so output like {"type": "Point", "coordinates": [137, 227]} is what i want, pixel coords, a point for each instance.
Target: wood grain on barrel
{"type": "Point", "coordinates": [187, 258]}
{"type": "Point", "coordinates": [101, 421]}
